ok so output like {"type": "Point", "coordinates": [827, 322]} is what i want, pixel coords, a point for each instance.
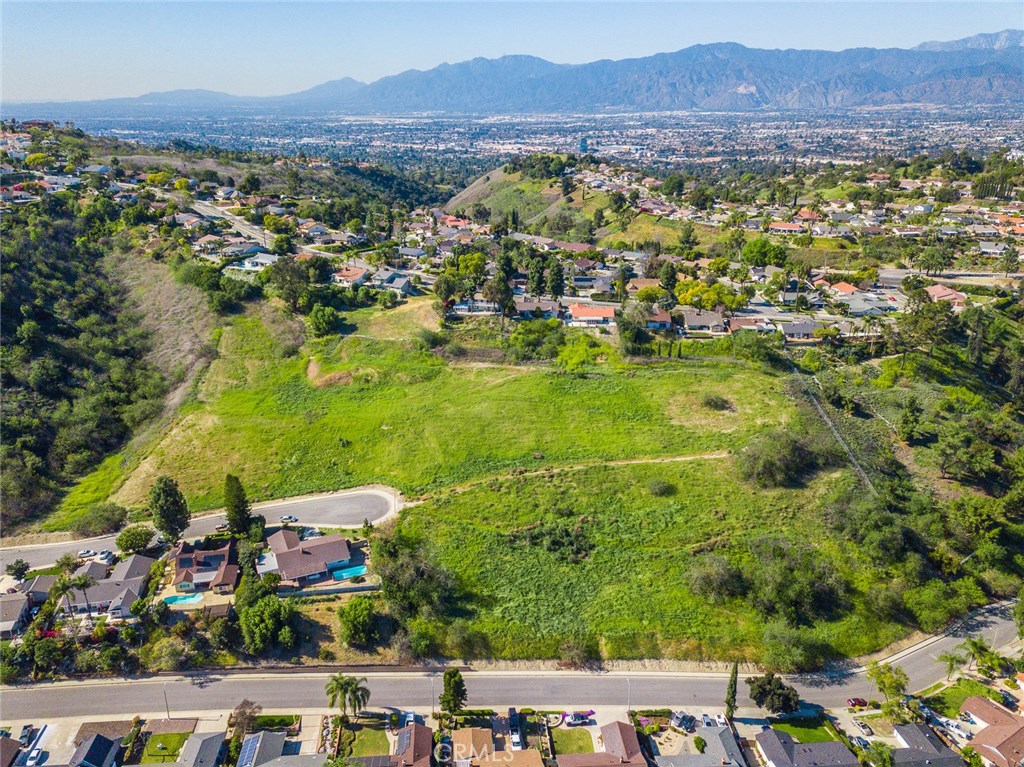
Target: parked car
{"type": "Point", "coordinates": [859, 741]}
{"type": "Point", "coordinates": [965, 717]}
{"type": "Point", "coordinates": [288, 518]}
{"type": "Point", "coordinates": [863, 727]}
{"type": "Point", "coordinates": [106, 557]}
{"type": "Point", "coordinates": [514, 733]}
{"type": "Point", "coordinates": [34, 757]}
{"type": "Point", "coordinates": [1009, 700]}
{"type": "Point", "coordinates": [857, 702]}
{"type": "Point", "coordinates": [26, 735]}
{"type": "Point", "coordinates": [576, 719]}
{"type": "Point", "coordinates": [408, 718]}
{"type": "Point", "coordinates": [222, 527]}
{"type": "Point", "coordinates": [706, 720]}
{"type": "Point", "coordinates": [677, 720]}
{"type": "Point", "coordinates": [86, 553]}
{"type": "Point", "coordinates": [721, 720]}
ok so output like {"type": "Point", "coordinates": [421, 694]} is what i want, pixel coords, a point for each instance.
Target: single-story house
{"type": "Point", "coordinates": [531, 308]}
{"type": "Point", "coordinates": [921, 747]}
{"type": "Point", "coordinates": [9, 750]}
{"type": "Point", "coordinates": [414, 747]}
{"type": "Point", "coordinates": [475, 747]}
{"type": "Point", "coordinates": [800, 330]}
{"type": "Point", "coordinates": [260, 748]}
{"type": "Point", "coordinates": [348, 276]}
{"type": "Point", "coordinates": [703, 322]}
{"type": "Point", "coordinates": [659, 320]}
{"type": "Point", "coordinates": [621, 747]}
{"type": "Point", "coordinates": [14, 612]}
{"type": "Point", "coordinates": [474, 305]}
{"type": "Point", "coordinates": [202, 750]}
{"type": "Point", "coordinates": [198, 569]}
{"type": "Point", "coordinates": [783, 227]}
{"type": "Point", "coordinates": [1001, 742]}
{"type": "Point", "coordinates": [992, 248]}
{"type": "Point", "coordinates": [778, 749]}
{"type": "Point", "coordinates": [111, 593]}
{"type": "Point", "coordinates": [946, 293]}
{"type": "Point", "coordinates": [757, 324]}
{"type": "Point", "coordinates": [589, 315]}
{"type": "Point", "coordinates": [96, 751]}
{"type": "Point", "coordinates": [721, 749]}
{"type": "Point", "coordinates": [387, 279]}
{"type": "Point", "coordinates": [301, 562]}
{"type": "Point", "coordinates": [639, 283]}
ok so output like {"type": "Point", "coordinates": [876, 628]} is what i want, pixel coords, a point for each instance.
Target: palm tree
{"type": "Point", "coordinates": [60, 590]}
{"type": "Point", "coordinates": [83, 582]}
{"type": "Point", "coordinates": [977, 648]}
{"type": "Point", "coordinates": [357, 694]}
{"type": "Point", "coordinates": [953, 661]}
{"type": "Point", "coordinates": [347, 692]}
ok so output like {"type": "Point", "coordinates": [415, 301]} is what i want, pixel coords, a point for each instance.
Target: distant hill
{"type": "Point", "coordinates": [982, 69]}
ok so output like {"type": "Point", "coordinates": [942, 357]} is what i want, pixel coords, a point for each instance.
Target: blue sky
{"type": "Point", "coordinates": [82, 50]}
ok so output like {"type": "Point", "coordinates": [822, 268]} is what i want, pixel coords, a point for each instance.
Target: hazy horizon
{"type": "Point", "coordinates": [119, 50]}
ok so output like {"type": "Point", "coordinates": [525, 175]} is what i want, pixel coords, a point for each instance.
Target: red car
{"type": "Point", "coordinates": [855, 702]}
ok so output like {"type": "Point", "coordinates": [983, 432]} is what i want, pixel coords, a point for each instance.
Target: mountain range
{"type": "Point", "coordinates": [982, 69]}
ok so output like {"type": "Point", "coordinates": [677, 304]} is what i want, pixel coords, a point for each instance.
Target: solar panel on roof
{"type": "Point", "coordinates": [404, 738]}
{"type": "Point", "coordinates": [248, 753]}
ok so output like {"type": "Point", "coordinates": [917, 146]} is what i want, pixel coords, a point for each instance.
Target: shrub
{"type": "Point", "coordinates": [777, 459]}
{"type": "Point", "coordinates": [715, 402]}
{"type": "Point", "coordinates": [700, 744]}
{"type": "Point", "coordinates": [102, 518]}
{"type": "Point", "coordinates": [660, 489]}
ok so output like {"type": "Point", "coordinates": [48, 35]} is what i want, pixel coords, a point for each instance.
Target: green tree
{"type": "Point", "coordinates": [322, 320]}
{"type": "Point", "coordinates": [952, 661]}
{"type": "Point", "coordinates": [730, 691]}
{"type": "Point", "coordinates": [290, 279]}
{"type": "Point", "coordinates": [262, 623]}
{"type": "Point", "coordinates": [668, 276]}
{"type": "Point", "coordinates": [357, 619]}
{"type": "Point", "coordinates": [1010, 261]}
{"type": "Point", "coordinates": [236, 506]}
{"type": "Point", "coordinates": [772, 693]}
{"type": "Point", "coordinates": [168, 507]}
{"type": "Point", "coordinates": [699, 744]}
{"type": "Point", "coordinates": [134, 539]}
{"type": "Point", "coordinates": [556, 279]}
{"type": "Point", "coordinates": [453, 697]}
{"type": "Point", "coordinates": [251, 183]}
{"type": "Point", "coordinates": [348, 693]}
{"type": "Point", "coordinates": [890, 680]}
{"type": "Point", "coordinates": [17, 569]}
{"type": "Point", "coordinates": [879, 754]}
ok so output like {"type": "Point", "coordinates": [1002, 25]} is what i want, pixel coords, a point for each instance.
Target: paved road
{"type": "Point", "coordinates": [343, 509]}
{"type": "Point", "coordinates": [222, 691]}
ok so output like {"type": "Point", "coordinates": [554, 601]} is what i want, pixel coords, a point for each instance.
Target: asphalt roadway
{"type": "Point", "coordinates": [342, 509]}
{"type": "Point", "coordinates": [301, 689]}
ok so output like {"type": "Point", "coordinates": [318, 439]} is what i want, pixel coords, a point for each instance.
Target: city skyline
{"type": "Point", "coordinates": [80, 38]}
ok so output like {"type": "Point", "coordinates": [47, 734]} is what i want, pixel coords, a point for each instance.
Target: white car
{"type": "Point", "coordinates": [34, 758]}
{"type": "Point", "coordinates": [86, 553]}
{"type": "Point", "coordinates": [289, 518]}
{"type": "Point", "coordinates": [722, 721]}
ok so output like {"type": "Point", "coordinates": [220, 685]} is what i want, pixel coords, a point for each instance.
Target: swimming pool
{"type": "Point", "coordinates": [348, 572]}
{"type": "Point", "coordinates": [184, 599]}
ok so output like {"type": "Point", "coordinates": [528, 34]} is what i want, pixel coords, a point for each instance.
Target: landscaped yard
{"type": "Point", "coordinates": [807, 730]}
{"type": "Point", "coordinates": [274, 722]}
{"type": "Point", "coordinates": [164, 748]}
{"type": "Point", "coordinates": [572, 740]}
{"type": "Point", "coordinates": [370, 738]}
{"type": "Point", "coordinates": [947, 702]}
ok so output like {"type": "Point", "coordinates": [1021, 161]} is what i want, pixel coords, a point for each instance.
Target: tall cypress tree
{"type": "Point", "coordinates": [168, 507]}
{"type": "Point", "coordinates": [236, 504]}
{"type": "Point", "coordinates": [730, 691]}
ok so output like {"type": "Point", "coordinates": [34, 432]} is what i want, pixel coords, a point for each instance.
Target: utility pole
{"type": "Point", "coordinates": [629, 696]}
{"type": "Point", "coordinates": [167, 707]}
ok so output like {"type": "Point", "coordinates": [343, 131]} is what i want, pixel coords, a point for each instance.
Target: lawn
{"type": "Point", "coordinates": [572, 740]}
{"type": "Point", "coordinates": [629, 594]}
{"type": "Point", "coordinates": [948, 701]}
{"type": "Point", "coordinates": [806, 730]}
{"type": "Point", "coordinates": [171, 742]}
{"type": "Point", "coordinates": [274, 722]}
{"type": "Point", "coordinates": [370, 739]}
{"type": "Point", "coordinates": [389, 412]}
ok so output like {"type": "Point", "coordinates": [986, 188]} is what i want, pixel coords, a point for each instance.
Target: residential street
{"type": "Point", "coordinates": [347, 508]}
{"type": "Point", "coordinates": [218, 691]}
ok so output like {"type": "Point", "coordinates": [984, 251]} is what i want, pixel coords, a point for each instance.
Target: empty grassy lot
{"type": "Point", "coordinates": [344, 412]}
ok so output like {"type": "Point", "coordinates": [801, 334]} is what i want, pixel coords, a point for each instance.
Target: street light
{"type": "Point", "coordinates": [167, 707]}
{"type": "Point", "coordinates": [629, 695]}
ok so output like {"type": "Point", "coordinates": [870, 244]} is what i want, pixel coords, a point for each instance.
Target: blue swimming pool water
{"type": "Point", "coordinates": [348, 572]}
{"type": "Point", "coordinates": [184, 599]}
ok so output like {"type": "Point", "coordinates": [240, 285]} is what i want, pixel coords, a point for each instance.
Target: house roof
{"type": "Point", "coordinates": [471, 743]}
{"type": "Point", "coordinates": [260, 748]}
{"type": "Point", "coordinates": [9, 749]}
{"type": "Point", "coordinates": [12, 606]}
{"type": "Point", "coordinates": [845, 288]}
{"type": "Point", "coordinates": [620, 739]}
{"type": "Point", "coordinates": [944, 293]}
{"type": "Point", "coordinates": [721, 749]}
{"type": "Point", "coordinates": [989, 712]}
{"type": "Point", "coordinates": [414, 746]}
{"type": "Point", "coordinates": [134, 566]}
{"type": "Point", "coordinates": [922, 748]}
{"type": "Point", "coordinates": [782, 751]}
{"type": "Point", "coordinates": [96, 751]}
{"type": "Point", "coordinates": [528, 757]}
{"type": "Point", "coordinates": [589, 311]}
{"type": "Point", "coordinates": [311, 557]}
{"type": "Point", "coordinates": [283, 540]}
{"type": "Point", "coordinates": [201, 750]}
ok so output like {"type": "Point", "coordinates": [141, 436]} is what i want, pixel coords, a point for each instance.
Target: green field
{"type": "Point", "coordinates": [392, 412]}
{"type": "Point", "coordinates": [370, 738]}
{"type": "Point", "coordinates": [171, 743]}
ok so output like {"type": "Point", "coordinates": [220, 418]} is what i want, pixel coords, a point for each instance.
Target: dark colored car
{"type": "Point", "coordinates": [26, 735]}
